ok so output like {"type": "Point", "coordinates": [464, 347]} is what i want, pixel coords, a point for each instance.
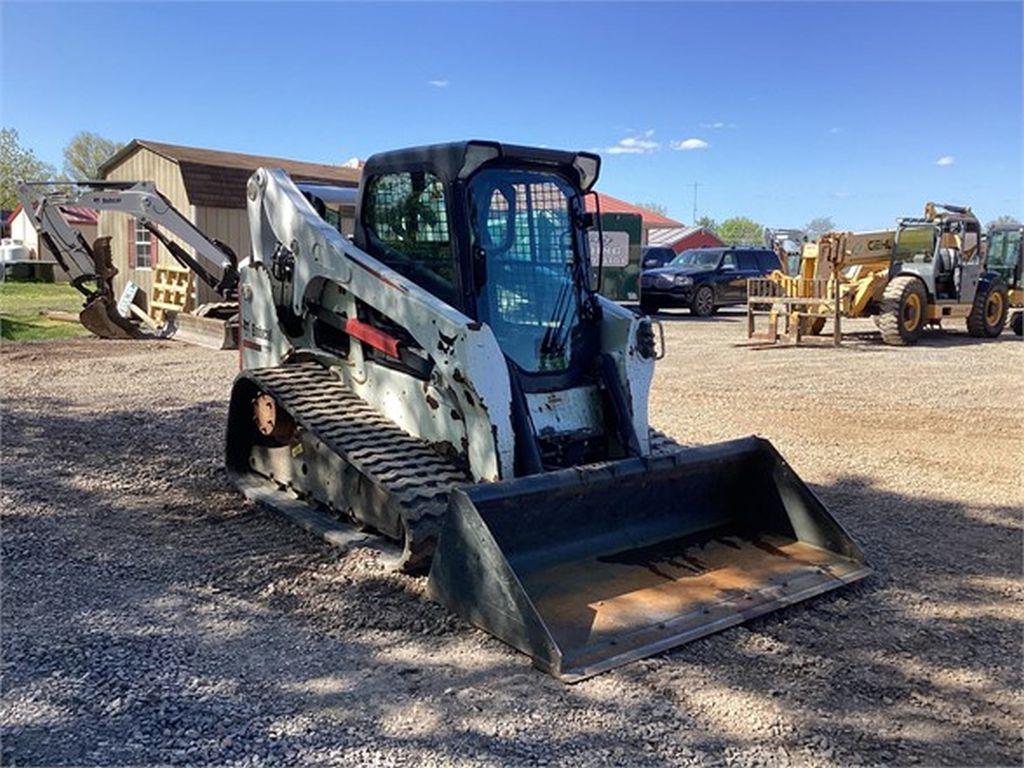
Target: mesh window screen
{"type": "Point", "coordinates": [530, 300]}
{"type": "Point", "coordinates": [407, 213]}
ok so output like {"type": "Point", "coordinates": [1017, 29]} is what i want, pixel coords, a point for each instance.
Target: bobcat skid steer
{"type": "Point", "coordinates": [451, 381]}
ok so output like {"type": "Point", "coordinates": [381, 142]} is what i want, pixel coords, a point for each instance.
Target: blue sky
{"type": "Point", "coordinates": [861, 112]}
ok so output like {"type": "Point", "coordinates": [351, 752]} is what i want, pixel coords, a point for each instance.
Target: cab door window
{"type": "Point", "coordinates": [407, 218]}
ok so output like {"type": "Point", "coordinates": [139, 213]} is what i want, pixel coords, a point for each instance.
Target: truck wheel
{"type": "Point", "coordinates": [703, 302]}
{"type": "Point", "coordinates": [1018, 323]}
{"type": "Point", "coordinates": [902, 314]}
{"type": "Point", "coordinates": [649, 307]}
{"type": "Point", "coordinates": [988, 314]}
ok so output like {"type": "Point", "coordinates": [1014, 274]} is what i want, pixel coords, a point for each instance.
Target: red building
{"type": "Point", "coordinates": [658, 229]}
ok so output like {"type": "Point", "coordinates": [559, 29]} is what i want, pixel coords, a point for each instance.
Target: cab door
{"type": "Point", "coordinates": [727, 279]}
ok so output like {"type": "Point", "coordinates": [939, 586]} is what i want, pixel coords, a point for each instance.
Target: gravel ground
{"type": "Point", "coordinates": [150, 615]}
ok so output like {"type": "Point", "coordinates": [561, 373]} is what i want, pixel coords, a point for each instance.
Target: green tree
{"type": "Point", "coordinates": [656, 208]}
{"type": "Point", "coordinates": [85, 153]}
{"type": "Point", "coordinates": [1003, 221]}
{"type": "Point", "coordinates": [17, 163]}
{"type": "Point", "coordinates": [818, 226]}
{"type": "Point", "coordinates": [708, 223]}
{"type": "Point", "coordinates": [740, 230]}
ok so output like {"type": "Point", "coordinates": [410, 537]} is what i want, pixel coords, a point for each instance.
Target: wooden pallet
{"type": "Point", "coordinates": [172, 291]}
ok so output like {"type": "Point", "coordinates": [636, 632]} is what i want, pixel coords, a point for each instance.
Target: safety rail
{"type": "Point", "coordinates": [803, 304]}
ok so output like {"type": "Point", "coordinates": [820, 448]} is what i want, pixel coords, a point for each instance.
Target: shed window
{"type": "Point", "coordinates": [143, 244]}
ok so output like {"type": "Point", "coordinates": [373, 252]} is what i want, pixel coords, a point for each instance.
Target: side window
{"type": "Point", "coordinates": [768, 261]}
{"type": "Point", "coordinates": [729, 261]}
{"type": "Point", "coordinates": [141, 246]}
{"type": "Point", "coordinates": [748, 261]}
{"type": "Point", "coordinates": [406, 215]}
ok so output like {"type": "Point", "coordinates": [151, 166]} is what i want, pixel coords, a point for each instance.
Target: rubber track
{"type": "Point", "coordinates": [413, 475]}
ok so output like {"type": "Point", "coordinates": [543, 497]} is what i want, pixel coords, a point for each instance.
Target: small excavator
{"type": "Point", "coordinates": [92, 272]}
{"type": "Point", "coordinates": [450, 380]}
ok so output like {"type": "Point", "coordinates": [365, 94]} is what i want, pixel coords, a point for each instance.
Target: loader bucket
{"type": "Point", "coordinates": [589, 568]}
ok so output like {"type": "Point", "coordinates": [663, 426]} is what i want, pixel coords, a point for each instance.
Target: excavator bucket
{"type": "Point", "coordinates": [100, 316]}
{"type": "Point", "coordinates": [589, 568]}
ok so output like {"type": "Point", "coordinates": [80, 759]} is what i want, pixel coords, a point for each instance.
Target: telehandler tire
{"type": "Point", "coordinates": [1018, 323]}
{"type": "Point", "coordinates": [988, 315]}
{"type": "Point", "coordinates": [902, 314]}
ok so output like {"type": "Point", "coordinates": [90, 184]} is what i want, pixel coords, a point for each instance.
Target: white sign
{"type": "Point", "coordinates": [127, 297]}
{"type": "Point", "coordinates": [616, 249]}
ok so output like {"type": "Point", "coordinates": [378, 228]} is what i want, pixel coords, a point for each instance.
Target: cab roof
{"type": "Point", "coordinates": [458, 160]}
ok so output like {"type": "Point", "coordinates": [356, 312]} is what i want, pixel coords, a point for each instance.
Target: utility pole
{"type": "Point", "coordinates": [696, 184]}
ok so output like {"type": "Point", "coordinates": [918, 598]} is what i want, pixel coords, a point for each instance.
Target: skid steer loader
{"type": "Point", "coordinates": [451, 381]}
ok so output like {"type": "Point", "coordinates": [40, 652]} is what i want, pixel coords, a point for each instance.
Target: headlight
{"type": "Point", "coordinates": [683, 280]}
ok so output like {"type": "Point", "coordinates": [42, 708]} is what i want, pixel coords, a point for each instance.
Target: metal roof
{"type": "Point", "coordinates": [217, 179]}
{"type": "Point", "coordinates": [75, 215]}
{"type": "Point", "coordinates": [611, 204]}
{"type": "Point", "coordinates": [669, 235]}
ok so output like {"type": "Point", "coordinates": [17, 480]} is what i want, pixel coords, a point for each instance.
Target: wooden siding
{"type": "Point", "coordinates": [231, 227]}
{"type": "Point", "coordinates": [142, 165]}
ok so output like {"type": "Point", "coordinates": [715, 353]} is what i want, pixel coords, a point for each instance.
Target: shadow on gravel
{"type": "Point", "coordinates": [152, 616]}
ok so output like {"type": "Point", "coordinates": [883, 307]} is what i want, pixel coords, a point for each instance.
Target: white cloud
{"type": "Point", "coordinates": [438, 83]}
{"type": "Point", "coordinates": [717, 125]}
{"type": "Point", "coordinates": [834, 130]}
{"type": "Point", "coordinates": [945, 160]}
{"type": "Point", "coordinates": [840, 195]}
{"type": "Point", "coordinates": [690, 144]}
{"type": "Point", "coordinates": [638, 144]}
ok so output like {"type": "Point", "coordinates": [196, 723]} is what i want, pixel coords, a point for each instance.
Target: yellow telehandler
{"type": "Point", "coordinates": [927, 270]}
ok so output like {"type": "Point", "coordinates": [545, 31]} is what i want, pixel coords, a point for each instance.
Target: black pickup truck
{"type": "Point", "coordinates": [704, 279]}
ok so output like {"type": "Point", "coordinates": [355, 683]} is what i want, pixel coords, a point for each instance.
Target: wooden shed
{"type": "Point", "coordinates": [206, 185]}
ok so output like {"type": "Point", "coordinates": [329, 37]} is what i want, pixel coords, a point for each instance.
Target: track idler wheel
{"type": "Point", "coordinates": [272, 422]}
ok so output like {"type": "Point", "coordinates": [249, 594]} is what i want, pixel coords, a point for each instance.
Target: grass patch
{"type": "Point", "coordinates": [22, 305]}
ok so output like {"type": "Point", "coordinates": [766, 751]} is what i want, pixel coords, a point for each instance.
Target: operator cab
{"type": "Point", "coordinates": [943, 249]}
{"type": "Point", "coordinates": [498, 232]}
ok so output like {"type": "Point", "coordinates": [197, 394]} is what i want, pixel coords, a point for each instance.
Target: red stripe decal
{"type": "Point", "coordinates": [375, 337]}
